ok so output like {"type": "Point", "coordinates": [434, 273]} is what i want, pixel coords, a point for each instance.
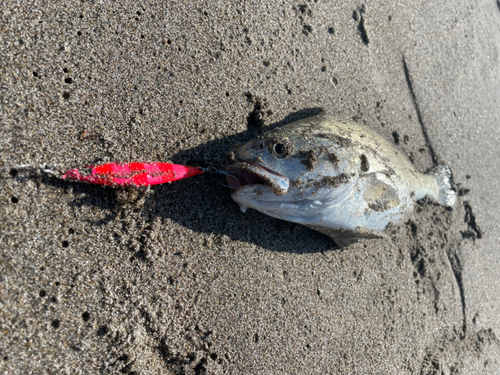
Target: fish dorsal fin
{"type": "Point", "coordinates": [378, 195]}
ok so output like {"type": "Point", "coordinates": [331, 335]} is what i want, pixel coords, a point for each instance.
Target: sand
{"type": "Point", "coordinates": [177, 280]}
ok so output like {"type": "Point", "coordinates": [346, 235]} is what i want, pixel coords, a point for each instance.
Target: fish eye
{"type": "Point", "coordinates": [279, 149]}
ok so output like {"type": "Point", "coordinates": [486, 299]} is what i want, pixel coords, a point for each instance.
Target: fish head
{"type": "Point", "coordinates": [284, 170]}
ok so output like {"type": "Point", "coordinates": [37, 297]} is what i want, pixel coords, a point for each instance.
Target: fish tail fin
{"type": "Point", "coordinates": [447, 195]}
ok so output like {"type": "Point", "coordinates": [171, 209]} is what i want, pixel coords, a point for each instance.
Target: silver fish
{"type": "Point", "coordinates": [337, 177]}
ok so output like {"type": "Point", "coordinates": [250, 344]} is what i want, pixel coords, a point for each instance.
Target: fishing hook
{"type": "Point", "coordinates": [223, 172]}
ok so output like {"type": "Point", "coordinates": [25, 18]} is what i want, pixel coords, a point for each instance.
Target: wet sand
{"type": "Point", "coordinates": [177, 280]}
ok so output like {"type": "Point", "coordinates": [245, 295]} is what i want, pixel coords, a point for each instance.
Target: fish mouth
{"type": "Point", "coordinates": [247, 173]}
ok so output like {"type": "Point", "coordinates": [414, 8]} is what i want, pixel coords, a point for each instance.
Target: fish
{"type": "Point", "coordinates": [338, 177]}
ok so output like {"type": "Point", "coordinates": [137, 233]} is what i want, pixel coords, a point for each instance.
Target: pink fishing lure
{"type": "Point", "coordinates": [131, 174]}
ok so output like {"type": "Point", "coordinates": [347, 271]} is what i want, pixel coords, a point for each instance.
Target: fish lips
{"type": "Point", "coordinates": [246, 173]}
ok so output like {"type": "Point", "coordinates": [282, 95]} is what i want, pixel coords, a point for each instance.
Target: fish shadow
{"type": "Point", "coordinates": [202, 203]}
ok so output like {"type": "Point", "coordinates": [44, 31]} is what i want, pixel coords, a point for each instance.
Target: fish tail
{"type": "Point", "coordinates": [447, 195]}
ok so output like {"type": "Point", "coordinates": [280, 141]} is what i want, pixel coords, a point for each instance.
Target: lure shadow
{"type": "Point", "coordinates": [87, 194]}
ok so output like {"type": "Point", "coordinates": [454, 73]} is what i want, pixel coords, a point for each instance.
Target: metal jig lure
{"type": "Point", "coordinates": [138, 174]}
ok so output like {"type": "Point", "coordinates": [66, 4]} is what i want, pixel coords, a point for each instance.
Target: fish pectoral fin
{"type": "Point", "coordinates": [243, 208]}
{"type": "Point", "coordinates": [378, 195]}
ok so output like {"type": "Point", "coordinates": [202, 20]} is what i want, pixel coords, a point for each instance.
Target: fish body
{"type": "Point", "coordinates": [338, 177]}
